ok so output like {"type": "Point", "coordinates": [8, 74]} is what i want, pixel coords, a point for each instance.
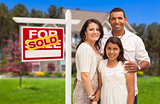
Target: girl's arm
{"type": "Point", "coordinates": [131, 87]}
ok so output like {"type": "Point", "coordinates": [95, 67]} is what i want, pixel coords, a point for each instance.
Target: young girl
{"type": "Point", "coordinates": [117, 85]}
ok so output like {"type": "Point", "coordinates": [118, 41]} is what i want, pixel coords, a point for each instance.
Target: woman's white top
{"type": "Point", "coordinates": [85, 60]}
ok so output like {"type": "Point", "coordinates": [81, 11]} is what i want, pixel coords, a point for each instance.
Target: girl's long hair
{"type": "Point", "coordinates": [115, 40]}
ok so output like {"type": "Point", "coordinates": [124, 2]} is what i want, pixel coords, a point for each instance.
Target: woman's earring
{"type": "Point", "coordinates": [85, 37]}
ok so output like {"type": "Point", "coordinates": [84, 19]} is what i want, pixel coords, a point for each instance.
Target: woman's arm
{"type": "Point", "coordinates": [87, 83]}
{"type": "Point", "coordinates": [98, 92]}
{"type": "Point", "coordinates": [86, 80]}
{"type": "Point", "coordinates": [84, 56]}
{"type": "Point", "coordinates": [131, 87]}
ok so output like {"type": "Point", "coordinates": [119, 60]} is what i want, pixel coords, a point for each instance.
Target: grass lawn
{"type": "Point", "coordinates": [149, 90]}
{"type": "Point", "coordinates": [52, 91]}
{"type": "Point", "coordinates": [33, 91]}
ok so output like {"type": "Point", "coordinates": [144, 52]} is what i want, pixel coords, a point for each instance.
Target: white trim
{"type": "Point", "coordinates": [44, 20]}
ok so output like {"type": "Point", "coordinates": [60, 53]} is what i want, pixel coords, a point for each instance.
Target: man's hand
{"type": "Point", "coordinates": [130, 66]}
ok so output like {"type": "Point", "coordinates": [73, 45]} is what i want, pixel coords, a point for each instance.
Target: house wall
{"type": "Point", "coordinates": [105, 29]}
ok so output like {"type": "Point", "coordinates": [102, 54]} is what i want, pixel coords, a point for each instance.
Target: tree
{"type": "Point", "coordinates": [36, 13]}
{"type": "Point", "coordinates": [52, 11]}
{"type": "Point", "coordinates": [4, 24]}
{"type": "Point", "coordinates": [151, 37]}
{"type": "Point", "coordinates": [140, 29]}
{"type": "Point", "coordinates": [18, 10]}
{"type": "Point", "coordinates": [153, 46]}
{"type": "Point", "coordinates": [3, 18]}
{"type": "Point", "coordinates": [77, 8]}
{"type": "Point", "coordinates": [159, 48]}
{"type": "Point", "coordinates": [59, 12]}
{"type": "Point", "coordinates": [12, 62]}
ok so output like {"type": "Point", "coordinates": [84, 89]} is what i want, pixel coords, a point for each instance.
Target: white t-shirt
{"type": "Point", "coordinates": [110, 71]}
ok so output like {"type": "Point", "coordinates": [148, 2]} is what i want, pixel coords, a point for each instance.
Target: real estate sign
{"type": "Point", "coordinates": [42, 43]}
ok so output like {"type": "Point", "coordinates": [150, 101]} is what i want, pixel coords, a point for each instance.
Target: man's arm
{"type": "Point", "coordinates": [144, 65]}
{"type": "Point", "coordinates": [132, 67]}
{"type": "Point", "coordinates": [141, 56]}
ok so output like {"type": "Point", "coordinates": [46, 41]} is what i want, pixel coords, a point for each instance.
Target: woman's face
{"type": "Point", "coordinates": [92, 32]}
{"type": "Point", "coordinates": [112, 51]}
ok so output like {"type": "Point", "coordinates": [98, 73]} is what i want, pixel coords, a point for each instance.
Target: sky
{"type": "Point", "coordinates": [137, 11]}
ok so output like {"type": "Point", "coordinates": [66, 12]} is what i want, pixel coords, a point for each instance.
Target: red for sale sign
{"type": "Point", "coordinates": [41, 43]}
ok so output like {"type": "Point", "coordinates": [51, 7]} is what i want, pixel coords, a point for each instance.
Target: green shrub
{"type": "Point", "coordinates": [47, 75]}
{"type": "Point", "coordinates": [74, 70]}
{"type": "Point", "coordinates": [0, 72]}
{"type": "Point", "coordinates": [74, 75]}
{"type": "Point", "coordinates": [57, 74]}
{"type": "Point", "coordinates": [30, 75]}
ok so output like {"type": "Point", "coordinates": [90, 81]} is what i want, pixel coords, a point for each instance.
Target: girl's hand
{"type": "Point", "coordinates": [97, 94]}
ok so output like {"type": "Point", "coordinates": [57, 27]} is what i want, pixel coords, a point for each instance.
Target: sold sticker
{"type": "Point", "coordinates": [42, 42]}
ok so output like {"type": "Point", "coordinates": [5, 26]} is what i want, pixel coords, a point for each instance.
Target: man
{"type": "Point", "coordinates": [134, 49]}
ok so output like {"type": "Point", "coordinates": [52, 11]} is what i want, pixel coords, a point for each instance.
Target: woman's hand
{"type": "Point", "coordinates": [95, 102]}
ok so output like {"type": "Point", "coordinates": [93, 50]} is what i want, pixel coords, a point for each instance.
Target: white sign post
{"type": "Point", "coordinates": [68, 22]}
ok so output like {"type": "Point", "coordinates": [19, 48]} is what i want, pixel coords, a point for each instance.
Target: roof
{"type": "Point", "coordinates": [83, 16]}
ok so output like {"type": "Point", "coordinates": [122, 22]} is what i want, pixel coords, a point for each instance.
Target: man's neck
{"type": "Point", "coordinates": [118, 33]}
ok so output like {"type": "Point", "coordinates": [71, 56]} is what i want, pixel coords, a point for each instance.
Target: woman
{"type": "Point", "coordinates": [87, 59]}
{"type": "Point", "coordinates": [117, 84]}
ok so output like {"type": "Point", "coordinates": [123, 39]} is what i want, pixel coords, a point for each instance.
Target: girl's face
{"type": "Point", "coordinates": [92, 32]}
{"type": "Point", "coordinates": [112, 51]}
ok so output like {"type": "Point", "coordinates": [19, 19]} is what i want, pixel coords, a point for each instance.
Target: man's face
{"type": "Point", "coordinates": [117, 21]}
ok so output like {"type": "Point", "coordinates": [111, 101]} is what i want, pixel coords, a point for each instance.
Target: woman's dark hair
{"type": "Point", "coordinates": [83, 30]}
{"type": "Point", "coordinates": [115, 40]}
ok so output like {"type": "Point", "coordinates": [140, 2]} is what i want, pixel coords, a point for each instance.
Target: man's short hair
{"type": "Point", "coordinates": [118, 10]}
